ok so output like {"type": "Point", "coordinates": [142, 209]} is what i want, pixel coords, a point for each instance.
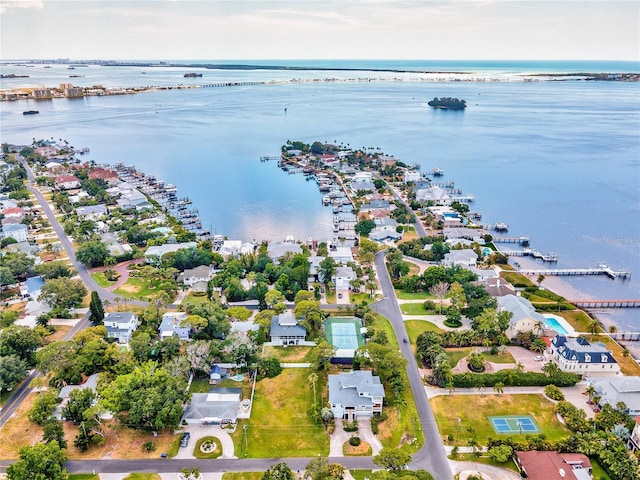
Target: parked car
{"type": "Point", "coordinates": [538, 358]}
{"type": "Point", "coordinates": [185, 439]}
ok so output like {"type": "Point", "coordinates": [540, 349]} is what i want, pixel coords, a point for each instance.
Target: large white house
{"type": "Point", "coordinates": [577, 355]}
{"type": "Point", "coordinates": [611, 390]}
{"type": "Point", "coordinates": [357, 394]}
{"type": "Point", "coordinates": [121, 325]}
{"type": "Point", "coordinates": [286, 331]}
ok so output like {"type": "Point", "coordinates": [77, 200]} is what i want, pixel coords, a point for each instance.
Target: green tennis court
{"type": "Point", "coordinates": [344, 333]}
{"type": "Point", "coordinates": [514, 424]}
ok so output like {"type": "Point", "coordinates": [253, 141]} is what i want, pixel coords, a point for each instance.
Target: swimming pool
{"type": "Point", "coordinates": [554, 324]}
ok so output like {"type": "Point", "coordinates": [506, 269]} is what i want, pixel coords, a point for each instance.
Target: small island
{"type": "Point", "coordinates": [192, 75]}
{"type": "Point", "coordinates": [448, 103]}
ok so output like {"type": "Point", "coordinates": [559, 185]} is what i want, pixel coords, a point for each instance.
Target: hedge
{"type": "Point", "coordinates": [512, 379]}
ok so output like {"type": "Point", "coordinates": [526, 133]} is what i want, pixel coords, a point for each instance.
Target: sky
{"type": "Point", "coordinates": [315, 29]}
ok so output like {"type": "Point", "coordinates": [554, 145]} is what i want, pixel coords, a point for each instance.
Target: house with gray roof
{"type": "Point", "coordinates": [121, 325]}
{"type": "Point", "coordinates": [218, 407]}
{"type": "Point", "coordinates": [343, 277]}
{"type": "Point", "coordinates": [383, 235]}
{"type": "Point", "coordinates": [285, 330]}
{"type": "Point", "coordinates": [466, 258]}
{"type": "Point", "coordinates": [611, 390]}
{"type": "Point", "coordinates": [524, 316]}
{"type": "Point", "coordinates": [156, 252]}
{"type": "Point", "coordinates": [18, 232]}
{"type": "Point", "coordinates": [277, 250]}
{"type": "Point", "coordinates": [202, 273]}
{"type": "Point", "coordinates": [375, 205]}
{"type": "Point", "coordinates": [92, 212]}
{"type": "Point", "coordinates": [171, 325]}
{"type": "Point", "coordinates": [356, 394]}
{"type": "Point", "coordinates": [577, 355]}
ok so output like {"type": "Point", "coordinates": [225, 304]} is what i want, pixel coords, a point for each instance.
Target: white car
{"type": "Point", "coordinates": [538, 358]}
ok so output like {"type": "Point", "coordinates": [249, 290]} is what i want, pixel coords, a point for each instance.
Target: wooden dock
{"type": "Point", "coordinates": [602, 269]}
{"type": "Point", "coordinates": [522, 240]}
{"type": "Point", "coordinates": [635, 303]}
{"type": "Point", "coordinates": [531, 252]}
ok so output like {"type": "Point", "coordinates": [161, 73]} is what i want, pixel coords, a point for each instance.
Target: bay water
{"type": "Point", "coordinates": [556, 160]}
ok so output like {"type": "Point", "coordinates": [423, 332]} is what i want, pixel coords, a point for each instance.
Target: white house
{"type": "Point", "coordinates": [92, 212]}
{"type": "Point", "coordinates": [342, 255]}
{"type": "Point", "coordinates": [577, 355]}
{"type": "Point", "coordinates": [611, 390]}
{"type": "Point", "coordinates": [357, 394]}
{"type": "Point", "coordinates": [343, 276]}
{"type": "Point", "coordinates": [286, 331]}
{"type": "Point", "coordinates": [634, 440]}
{"type": "Point", "coordinates": [18, 231]}
{"type": "Point", "coordinates": [466, 258]}
{"type": "Point", "coordinates": [170, 326]}
{"type": "Point", "coordinates": [411, 176]}
{"type": "Point", "coordinates": [434, 194]}
{"type": "Point", "coordinates": [219, 406]}
{"type": "Point", "coordinates": [157, 251]}
{"type": "Point", "coordinates": [524, 317]}
{"type": "Point", "coordinates": [203, 273]}
{"type": "Point", "coordinates": [276, 250]}
{"type": "Point", "coordinates": [121, 325]}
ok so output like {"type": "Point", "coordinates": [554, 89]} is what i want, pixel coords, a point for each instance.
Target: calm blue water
{"type": "Point", "coordinates": [559, 161]}
{"type": "Point", "coordinates": [554, 324]}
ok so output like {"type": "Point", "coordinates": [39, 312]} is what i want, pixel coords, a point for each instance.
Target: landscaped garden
{"type": "Point", "coordinates": [460, 423]}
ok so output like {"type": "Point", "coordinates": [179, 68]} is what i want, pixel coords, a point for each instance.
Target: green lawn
{"type": "Point", "coordinates": [402, 295]}
{"type": "Point", "coordinates": [101, 279]}
{"type": "Point", "coordinates": [83, 476]}
{"type": "Point", "coordinates": [242, 475]}
{"type": "Point", "coordinates": [473, 410]}
{"type": "Point", "coordinates": [457, 354]}
{"type": "Point", "coordinates": [415, 309]}
{"type": "Point", "coordinates": [136, 288]}
{"type": "Point", "coordinates": [143, 476]}
{"type": "Point", "coordinates": [194, 299]}
{"type": "Point", "coordinates": [280, 423]}
{"type": "Point", "coordinates": [207, 456]}
{"type": "Point", "coordinates": [416, 327]}
{"type": "Point", "coordinates": [597, 472]}
{"type": "Point", "coordinates": [292, 354]}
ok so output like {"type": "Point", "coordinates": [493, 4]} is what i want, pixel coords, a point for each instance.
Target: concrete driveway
{"type": "Point", "coordinates": [339, 437]}
{"type": "Point", "coordinates": [526, 358]}
{"type": "Point", "coordinates": [199, 431]}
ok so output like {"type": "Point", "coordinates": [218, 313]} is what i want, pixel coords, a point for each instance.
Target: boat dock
{"type": "Point", "coordinates": [531, 252]}
{"type": "Point", "coordinates": [522, 240]}
{"type": "Point", "coordinates": [601, 269]}
{"type": "Point", "coordinates": [606, 303]}
{"type": "Point", "coordinates": [266, 158]}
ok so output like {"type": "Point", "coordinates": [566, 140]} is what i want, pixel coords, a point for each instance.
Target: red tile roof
{"type": "Point", "coordinates": [9, 211]}
{"type": "Point", "coordinates": [548, 465]}
{"type": "Point", "coordinates": [102, 173]}
{"type": "Point", "coordinates": [66, 178]}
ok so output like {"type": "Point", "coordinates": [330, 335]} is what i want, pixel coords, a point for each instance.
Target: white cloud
{"type": "Point", "coordinates": [6, 5]}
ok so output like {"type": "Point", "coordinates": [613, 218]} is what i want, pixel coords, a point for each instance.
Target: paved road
{"type": "Point", "coordinates": [432, 456]}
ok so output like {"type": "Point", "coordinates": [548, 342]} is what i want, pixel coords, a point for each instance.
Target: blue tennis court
{"type": "Point", "coordinates": [514, 424]}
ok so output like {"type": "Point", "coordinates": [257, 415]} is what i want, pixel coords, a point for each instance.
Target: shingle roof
{"type": "Point", "coordinates": [219, 404]}
{"type": "Point", "coordinates": [345, 388]}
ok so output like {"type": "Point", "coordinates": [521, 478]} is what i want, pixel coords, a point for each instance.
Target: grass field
{"type": "Point", "coordinates": [280, 424]}
{"type": "Point", "coordinates": [416, 327]}
{"type": "Point", "coordinates": [473, 411]}
{"type": "Point", "coordinates": [415, 309]}
{"type": "Point", "coordinates": [413, 268]}
{"type": "Point", "coordinates": [292, 354]}
{"type": "Point", "coordinates": [402, 295]}
{"type": "Point", "coordinates": [136, 288]}
{"type": "Point", "coordinates": [457, 354]}
{"type": "Point", "coordinates": [242, 475]}
{"type": "Point", "coordinates": [101, 279]}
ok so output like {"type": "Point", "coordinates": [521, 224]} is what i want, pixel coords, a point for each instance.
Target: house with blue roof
{"type": "Point", "coordinates": [577, 355]}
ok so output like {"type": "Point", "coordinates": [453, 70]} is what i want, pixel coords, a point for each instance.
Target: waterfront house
{"type": "Point", "coordinates": [341, 255]}
{"type": "Point", "coordinates": [497, 287]}
{"type": "Point", "coordinates": [18, 232]}
{"type": "Point", "coordinates": [276, 250]}
{"type": "Point", "coordinates": [362, 186]}
{"type": "Point", "coordinates": [383, 205]}
{"type": "Point", "coordinates": [435, 194]}
{"type": "Point", "coordinates": [384, 235]}
{"type": "Point", "coordinates": [465, 258]}
{"type": "Point", "coordinates": [356, 394]}
{"type": "Point", "coordinates": [411, 176]}
{"type": "Point", "coordinates": [285, 330]}
{"type": "Point", "coordinates": [611, 390]}
{"type": "Point", "coordinates": [67, 182]}
{"type": "Point", "coordinates": [524, 317]}
{"type": "Point", "coordinates": [108, 176]}
{"type": "Point", "coordinates": [171, 325]}
{"type": "Point", "coordinates": [550, 465]}
{"type": "Point", "coordinates": [121, 325]}
{"type": "Point", "coordinates": [218, 407]}
{"type": "Point", "coordinates": [577, 355]}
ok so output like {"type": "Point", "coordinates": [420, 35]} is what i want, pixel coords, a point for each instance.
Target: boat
{"type": "Point", "coordinates": [192, 75]}
{"type": "Point", "coordinates": [336, 228]}
{"type": "Point", "coordinates": [31, 112]}
{"type": "Point", "coordinates": [501, 227]}
{"type": "Point", "coordinates": [437, 172]}
{"type": "Point", "coordinates": [447, 103]}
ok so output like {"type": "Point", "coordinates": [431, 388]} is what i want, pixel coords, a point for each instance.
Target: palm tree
{"type": "Point", "coordinates": [313, 379]}
{"type": "Point", "coordinates": [499, 388]}
{"type": "Point", "coordinates": [519, 367]}
{"type": "Point", "coordinates": [590, 390]}
{"type": "Point", "coordinates": [613, 329]}
{"type": "Point", "coordinates": [550, 369]}
{"type": "Point", "coordinates": [594, 327]}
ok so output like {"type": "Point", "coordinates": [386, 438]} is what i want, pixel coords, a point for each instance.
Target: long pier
{"type": "Point", "coordinates": [635, 303]}
{"type": "Point", "coordinates": [231, 84]}
{"type": "Point", "coordinates": [602, 269]}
